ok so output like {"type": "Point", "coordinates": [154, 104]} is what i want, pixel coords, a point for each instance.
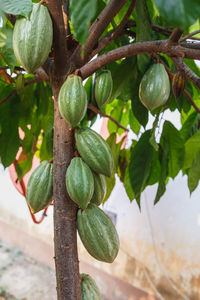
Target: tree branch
{"type": "Point", "coordinates": [116, 32]}
{"type": "Point", "coordinates": [97, 111]}
{"type": "Point", "coordinates": [189, 36]}
{"type": "Point", "coordinates": [189, 74]}
{"type": "Point", "coordinates": [175, 35]}
{"type": "Point", "coordinates": [191, 101]}
{"type": "Point", "coordinates": [96, 30]}
{"type": "Point", "coordinates": [59, 42]}
{"type": "Point", "coordinates": [150, 47]}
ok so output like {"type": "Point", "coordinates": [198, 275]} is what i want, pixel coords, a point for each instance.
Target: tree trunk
{"type": "Point", "coordinates": [65, 210]}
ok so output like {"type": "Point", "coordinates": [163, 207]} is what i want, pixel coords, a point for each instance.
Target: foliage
{"type": "Point", "coordinates": [154, 154]}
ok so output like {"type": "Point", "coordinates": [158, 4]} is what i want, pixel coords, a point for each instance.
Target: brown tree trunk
{"type": "Point", "coordinates": [65, 234]}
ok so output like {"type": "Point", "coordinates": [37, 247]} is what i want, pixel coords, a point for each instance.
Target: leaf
{"type": "Point", "coordinates": [140, 164]}
{"type": "Point", "coordinates": [175, 144]}
{"type": "Point", "coordinates": [192, 147]}
{"type": "Point", "coordinates": [115, 148]}
{"type": "Point", "coordinates": [164, 153]}
{"type": "Point", "coordinates": [128, 186]}
{"type": "Point", "coordinates": [182, 13]}
{"type": "Point", "coordinates": [133, 122]}
{"type": "Point", "coordinates": [155, 169]}
{"type": "Point", "coordinates": [190, 126]}
{"type": "Point", "coordinates": [82, 12]}
{"type": "Point", "coordinates": [7, 48]}
{"type": "Point", "coordinates": [110, 181]}
{"type": "Point", "coordinates": [17, 7]}
{"type": "Point", "coordinates": [24, 167]}
{"type": "Point", "coordinates": [194, 173]}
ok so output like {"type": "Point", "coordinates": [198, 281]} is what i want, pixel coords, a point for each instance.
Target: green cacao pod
{"type": "Point", "coordinates": [95, 151]}
{"type": "Point", "coordinates": [103, 87]}
{"type": "Point", "coordinates": [100, 188]}
{"type": "Point", "coordinates": [97, 233]}
{"type": "Point", "coordinates": [72, 100]}
{"type": "Point", "coordinates": [89, 289]}
{"type": "Point", "coordinates": [154, 87]}
{"type": "Point", "coordinates": [32, 38]}
{"type": "Point", "coordinates": [79, 182]}
{"type": "Point", "coordinates": [39, 190]}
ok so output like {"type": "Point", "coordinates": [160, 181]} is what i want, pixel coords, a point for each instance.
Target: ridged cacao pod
{"type": "Point", "coordinates": [178, 84]}
{"type": "Point", "coordinates": [89, 289]}
{"type": "Point", "coordinates": [79, 182]}
{"type": "Point", "coordinates": [32, 38]}
{"type": "Point", "coordinates": [97, 233]}
{"type": "Point", "coordinates": [39, 190]}
{"type": "Point", "coordinates": [103, 87]}
{"type": "Point", "coordinates": [154, 87]}
{"type": "Point", "coordinates": [100, 188]}
{"type": "Point", "coordinates": [72, 100]}
{"type": "Point", "coordinates": [95, 151]}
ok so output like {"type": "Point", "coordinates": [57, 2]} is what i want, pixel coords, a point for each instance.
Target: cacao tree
{"type": "Point", "coordinates": [125, 60]}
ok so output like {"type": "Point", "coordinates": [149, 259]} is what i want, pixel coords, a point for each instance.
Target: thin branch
{"type": "Point", "coordinates": [15, 91]}
{"type": "Point", "coordinates": [175, 35]}
{"type": "Point", "coordinates": [150, 47]}
{"type": "Point", "coordinates": [189, 74]}
{"type": "Point", "coordinates": [104, 42]}
{"type": "Point", "coordinates": [189, 35]}
{"type": "Point", "coordinates": [191, 45]}
{"type": "Point", "coordinates": [155, 27]}
{"type": "Point", "coordinates": [96, 30]}
{"type": "Point", "coordinates": [97, 111]}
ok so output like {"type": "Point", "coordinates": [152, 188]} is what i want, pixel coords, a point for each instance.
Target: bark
{"type": "Point", "coordinates": [65, 236]}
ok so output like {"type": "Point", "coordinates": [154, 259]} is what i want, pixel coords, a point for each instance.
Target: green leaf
{"type": "Point", "coordinates": [128, 186]}
{"type": "Point", "coordinates": [164, 154]}
{"type": "Point", "coordinates": [7, 48]}
{"type": "Point", "coordinates": [190, 126]}
{"type": "Point", "coordinates": [134, 124]}
{"type": "Point", "coordinates": [82, 12]}
{"type": "Point", "coordinates": [115, 148]}
{"type": "Point", "coordinates": [194, 173]}
{"type": "Point", "coordinates": [175, 144]}
{"type": "Point", "coordinates": [24, 167]}
{"type": "Point", "coordinates": [192, 147]}
{"type": "Point", "coordinates": [143, 32]}
{"type": "Point", "coordinates": [155, 169]}
{"type": "Point", "coordinates": [140, 164]}
{"type": "Point", "coordinates": [110, 181]}
{"type": "Point", "coordinates": [182, 13]}
{"type": "Point", "coordinates": [17, 7]}
{"type": "Point", "coordinates": [9, 137]}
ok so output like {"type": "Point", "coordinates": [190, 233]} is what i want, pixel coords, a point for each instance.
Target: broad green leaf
{"type": "Point", "coordinates": [128, 186]}
{"type": "Point", "coordinates": [190, 126]}
{"type": "Point", "coordinates": [17, 7]}
{"type": "Point", "coordinates": [82, 12]}
{"type": "Point", "coordinates": [115, 148]}
{"type": "Point", "coordinates": [134, 124]}
{"type": "Point", "coordinates": [9, 137]}
{"type": "Point", "coordinates": [194, 174]}
{"type": "Point", "coordinates": [7, 48]}
{"type": "Point", "coordinates": [143, 32]}
{"type": "Point", "coordinates": [192, 147]}
{"type": "Point", "coordinates": [181, 13]}
{"type": "Point", "coordinates": [154, 176]}
{"type": "Point", "coordinates": [24, 167]}
{"type": "Point", "coordinates": [124, 159]}
{"type": "Point", "coordinates": [116, 114]}
{"type": "Point", "coordinates": [164, 153]}
{"type": "Point", "coordinates": [140, 164]}
{"type": "Point", "coordinates": [175, 144]}
{"type": "Point", "coordinates": [110, 181]}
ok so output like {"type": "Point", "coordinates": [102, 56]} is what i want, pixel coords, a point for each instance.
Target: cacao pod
{"type": "Point", "coordinates": [103, 87]}
{"type": "Point", "coordinates": [154, 87]}
{"type": "Point", "coordinates": [100, 188]}
{"type": "Point", "coordinates": [178, 84]}
{"type": "Point", "coordinates": [32, 38]}
{"type": "Point", "coordinates": [79, 182]}
{"type": "Point", "coordinates": [97, 233]}
{"type": "Point", "coordinates": [72, 100]}
{"type": "Point", "coordinates": [95, 151]}
{"type": "Point", "coordinates": [89, 289]}
{"type": "Point", "coordinates": [39, 190]}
